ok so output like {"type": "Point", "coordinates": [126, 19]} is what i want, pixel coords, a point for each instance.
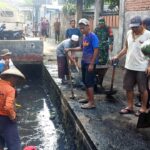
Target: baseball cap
{"type": "Point", "coordinates": [5, 52]}
{"type": "Point", "coordinates": [101, 20]}
{"type": "Point", "coordinates": [83, 21]}
{"type": "Point", "coordinates": [135, 21]}
{"type": "Point", "coordinates": [75, 38]}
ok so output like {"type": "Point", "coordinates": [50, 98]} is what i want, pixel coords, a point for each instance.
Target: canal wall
{"type": "Point", "coordinates": [71, 123]}
{"type": "Point", "coordinates": [24, 52]}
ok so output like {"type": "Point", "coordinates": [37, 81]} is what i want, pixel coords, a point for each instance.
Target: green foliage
{"type": "Point", "coordinates": [112, 3]}
{"type": "Point", "coordinates": [88, 3]}
{"type": "Point", "coordinates": [29, 2]}
{"type": "Point", "coordinates": [4, 5]}
{"type": "Point", "coordinates": [69, 8]}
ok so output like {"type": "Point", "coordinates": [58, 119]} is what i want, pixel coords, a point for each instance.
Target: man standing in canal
{"type": "Point", "coordinates": [105, 36]}
{"type": "Point", "coordinates": [8, 124]}
{"type": "Point", "coordinates": [89, 60]}
{"type": "Point", "coordinates": [136, 65]}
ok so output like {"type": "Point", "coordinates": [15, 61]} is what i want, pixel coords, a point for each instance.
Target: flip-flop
{"type": "Point", "coordinates": [126, 111]}
{"type": "Point", "coordinates": [138, 113]}
{"type": "Point", "coordinates": [88, 106]}
{"type": "Point", "coordinates": [83, 101]}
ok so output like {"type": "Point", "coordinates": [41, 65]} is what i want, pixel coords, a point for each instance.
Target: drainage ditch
{"type": "Point", "coordinates": [45, 118]}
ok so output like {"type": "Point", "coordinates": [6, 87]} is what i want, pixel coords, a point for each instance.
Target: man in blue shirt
{"type": "Point", "coordinates": [72, 30]}
{"type": "Point", "coordinates": [89, 60]}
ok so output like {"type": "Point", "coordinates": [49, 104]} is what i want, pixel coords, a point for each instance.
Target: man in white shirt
{"type": "Point", "coordinates": [61, 56]}
{"type": "Point", "coordinates": [136, 65]}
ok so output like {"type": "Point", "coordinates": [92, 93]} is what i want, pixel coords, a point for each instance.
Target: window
{"type": "Point", "coordinates": [6, 13]}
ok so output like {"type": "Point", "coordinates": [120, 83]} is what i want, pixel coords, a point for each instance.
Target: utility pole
{"type": "Point", "coordinates": [79, 9]}
{"type": "Point", "coordinates": [98, 10]}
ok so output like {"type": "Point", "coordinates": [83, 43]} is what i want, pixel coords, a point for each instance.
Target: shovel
{"type": "Point", "coordinates": [144, 120]}
{"type": "Point", "coordinates": [112, 91]}
{"type": "Point", "coordinates": [70, 78]}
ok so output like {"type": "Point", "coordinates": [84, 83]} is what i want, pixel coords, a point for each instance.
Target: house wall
{"type": "Point", "coordinates": [129, 9]}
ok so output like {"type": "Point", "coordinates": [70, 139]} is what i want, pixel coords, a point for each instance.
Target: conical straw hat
{"type": "Point", "coordinates": [13, 71]}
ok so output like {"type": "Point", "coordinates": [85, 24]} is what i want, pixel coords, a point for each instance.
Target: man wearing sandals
{"type": "Point", "coordinates": [136, 65]}
{"type": "Point", "coordinates": [90, 54]}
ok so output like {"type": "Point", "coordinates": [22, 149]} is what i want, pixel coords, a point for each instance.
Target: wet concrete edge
{"type": "Point", "coordinates": [82, 138]}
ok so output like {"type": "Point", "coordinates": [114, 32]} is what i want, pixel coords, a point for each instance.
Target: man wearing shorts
{"type": "Point", "coordinates": [136, 65]}
{"type": "Point", "coordinates": [89, 60]}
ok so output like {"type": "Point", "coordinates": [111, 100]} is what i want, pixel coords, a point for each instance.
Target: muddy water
{"type": "Point", "coordinates": [38, 120]}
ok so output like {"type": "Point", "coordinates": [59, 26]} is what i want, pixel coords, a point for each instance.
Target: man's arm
{"type": "Point", "coordinates": [110, 39]}
{"type": "Point", "coordinates": [122, 52]}
{"type": "Point", "coordinates": [73, 49]}
{"type": "Point", "coordinates": [91, 65]}
{"type": "Point", "coordinates": [9, 105]}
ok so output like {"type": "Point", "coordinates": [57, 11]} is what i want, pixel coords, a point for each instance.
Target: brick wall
{"type": "Point", "coordinates": [137, 5]}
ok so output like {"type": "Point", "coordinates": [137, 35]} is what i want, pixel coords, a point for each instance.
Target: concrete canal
{"type": "Point", "coordinates": [40, 123]}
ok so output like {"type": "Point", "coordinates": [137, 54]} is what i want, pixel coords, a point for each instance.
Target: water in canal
{"type": "Point", "coordinates": [38, 120]}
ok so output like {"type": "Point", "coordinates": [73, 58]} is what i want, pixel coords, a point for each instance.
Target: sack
{"type": "Point", "coordinates": [144, 120]}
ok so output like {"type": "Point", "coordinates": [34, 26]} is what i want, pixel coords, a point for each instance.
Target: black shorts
{"type": "Point", "coordinates": [88, 78]}
{"type": "Point", "coordinates": [131, 78]}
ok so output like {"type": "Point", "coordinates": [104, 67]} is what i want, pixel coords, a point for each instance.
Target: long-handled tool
{"type": "Point", "coordinates": [70, 78]}
{"type": "Point", "coordinates": [112, 91]}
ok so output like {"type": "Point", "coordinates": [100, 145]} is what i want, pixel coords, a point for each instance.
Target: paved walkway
{"type": "Point", "coordinates": [104, 125]}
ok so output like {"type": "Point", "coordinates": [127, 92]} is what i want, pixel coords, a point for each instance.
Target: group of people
{"type": "Point", "coordinates": [95, 47]}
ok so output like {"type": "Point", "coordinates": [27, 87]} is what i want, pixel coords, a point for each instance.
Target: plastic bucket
{"type": "Point", "coordinates": [1, 67]}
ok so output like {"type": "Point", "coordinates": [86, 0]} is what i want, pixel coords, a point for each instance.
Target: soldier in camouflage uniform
{"type": "Point", "coordinates": [105, 36]}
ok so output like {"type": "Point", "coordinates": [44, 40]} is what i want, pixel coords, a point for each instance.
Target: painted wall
{"type": "Point", "coordinates": [24, 52]}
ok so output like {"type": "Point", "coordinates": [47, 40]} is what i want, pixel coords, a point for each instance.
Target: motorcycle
{"type": "Point", "coordinates": [10, 35]}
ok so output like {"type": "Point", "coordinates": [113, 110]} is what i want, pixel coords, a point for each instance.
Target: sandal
{"type": "Point", "coordinates": [88, 106]}
{"type": "Point", "coordinates": [83, 101]}
{"type": "Point", "coordinates": [126, 111]}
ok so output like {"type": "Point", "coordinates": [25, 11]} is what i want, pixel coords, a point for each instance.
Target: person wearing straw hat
{"type": "Point", "coordinates": [5, 55]}
{"type": "Point", "coordinates": [8, 125]}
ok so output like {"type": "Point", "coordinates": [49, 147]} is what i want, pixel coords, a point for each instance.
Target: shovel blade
{"type": "Point", "coordinates": [144, 120]}
{"type": "Point", "coordinates": [110, 92]}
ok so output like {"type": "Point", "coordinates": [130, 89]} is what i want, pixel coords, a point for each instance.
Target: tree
{"type": "Point", "coordinates": [71, 5]}
{"type": "Point", "coordinates": [112, 3]}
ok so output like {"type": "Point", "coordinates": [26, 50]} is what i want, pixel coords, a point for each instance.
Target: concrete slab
{"type": "Point", "coordinates": [25, 52]}
{"type": "Point", "coordinates": [104, 126]}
